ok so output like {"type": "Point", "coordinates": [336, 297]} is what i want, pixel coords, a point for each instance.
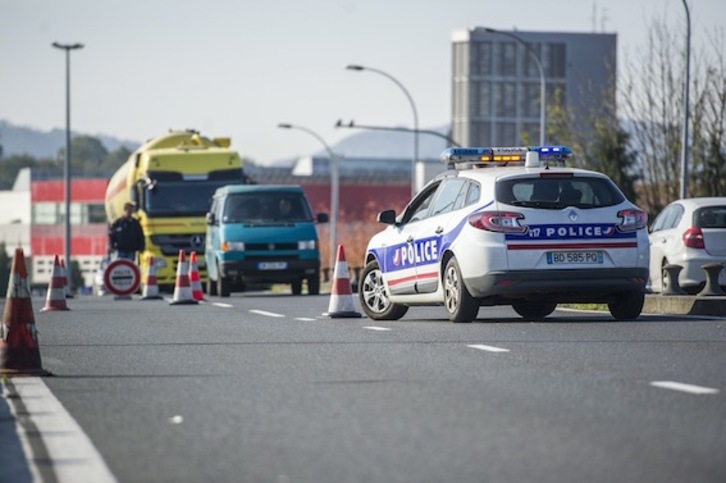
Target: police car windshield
{"type": "Point", "coordinates": [558, 192]}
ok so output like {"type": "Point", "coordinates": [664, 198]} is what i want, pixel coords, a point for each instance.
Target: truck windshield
{"type": "Point", "coordinates": [266, 207]}
{"type": "Point", "coordinates": [188, 198]}
{"type": "Point", "coordinates": [173, 195]}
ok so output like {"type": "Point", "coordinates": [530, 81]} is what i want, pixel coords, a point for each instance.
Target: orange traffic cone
{"type": "Point", "coordinates": [19, 352]}
{"type": "Point", "coordinates": [341, 296]}
{"type": "Point", "coordinates": [151, 288]}
{"type": "Point", "coordinates": [197, 290]}
{"type": "Point", "coordinates": [64, 273]}
{"type": "Point", "coordinates": [182, 289]}
{"type": "Point", "coordinates": [56, 297]}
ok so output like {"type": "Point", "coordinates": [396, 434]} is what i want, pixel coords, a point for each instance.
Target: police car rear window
{"type": "Point", "coordinates": [559, 192]}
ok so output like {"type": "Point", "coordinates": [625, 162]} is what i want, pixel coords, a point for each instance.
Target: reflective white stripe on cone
{"type": "Point", "coordinates": [151, 288]}
{"type": "Point", "coordinates": [56, 296]}
{"type": "Point", "coordinates": [182, 289]}
{"type": "Point", "coordinates": [341, 296]}
{"type": "Point", "coordinates": [195, 282]}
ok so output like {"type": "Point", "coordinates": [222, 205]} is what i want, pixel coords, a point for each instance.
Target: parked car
{"type": "Point", "coordinates": [689, 233]}
{"type": "Point", "coordinates": [507, 226]}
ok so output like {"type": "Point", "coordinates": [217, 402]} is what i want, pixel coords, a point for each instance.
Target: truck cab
{"type": "Point", "coordinates": [262, 234]}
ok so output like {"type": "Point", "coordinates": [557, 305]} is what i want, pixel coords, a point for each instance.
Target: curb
{"type": "Point", "coordinates": [684, 305]}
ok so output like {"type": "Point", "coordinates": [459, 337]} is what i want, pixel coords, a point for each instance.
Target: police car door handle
{"type": "Point", "coordinates": [409, 239]}
{"type": "Point", "coordinates": [439, 230]}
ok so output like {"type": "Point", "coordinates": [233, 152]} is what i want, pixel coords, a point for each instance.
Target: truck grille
{"type": "Point", "coordinates": [171, 244]}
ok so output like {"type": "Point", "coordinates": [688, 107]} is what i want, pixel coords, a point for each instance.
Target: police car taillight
{"type": "Point", "coordinates": [498, 221]}
{"type": "Point", "coordinates": [693, 238]}
{"type": "Point", "coordinates": [632, 220]}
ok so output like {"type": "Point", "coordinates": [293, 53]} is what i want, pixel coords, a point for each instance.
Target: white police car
{"type": "Point", "coordinates": [509, 226]}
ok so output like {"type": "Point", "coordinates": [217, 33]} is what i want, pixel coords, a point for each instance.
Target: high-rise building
{"type": "Point", "coordinates": [496, 81]}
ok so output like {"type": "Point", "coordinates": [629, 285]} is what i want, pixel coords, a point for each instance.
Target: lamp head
{"type": "Point", "coordinates": [283, 125]}
{"type": "Point", "coordinates": [355, 67]}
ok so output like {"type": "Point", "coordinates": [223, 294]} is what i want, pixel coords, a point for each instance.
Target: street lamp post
{"type": "Point", "coordinates": [684, 136]}
{"type": "Point", "coordinates": [67, 163]}
{"type": "Point", "coordinates": [334, 189]}
{"type": "Point", "coordinates": [352, 125]}
{"type": "Point", "coordinates": [415, 118]}
{"type": "Point", "coordinates": [542, 82]}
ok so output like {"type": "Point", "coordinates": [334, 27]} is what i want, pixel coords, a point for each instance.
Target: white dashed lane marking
{"type": "Point", "coordinates": [305, 319]}
{"type": "Point", "coordinates": [380, 329]}
{"type": "Point", "coordinates": [488, 348]}
{"type": "Point", "coordinates": [224, 306]}
{"type": "Point", "coordinates": [266, 313]}
{"type": "Point", "coordinates": [680, 386]}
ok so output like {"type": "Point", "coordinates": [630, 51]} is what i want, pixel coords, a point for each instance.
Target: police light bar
{"type": "Point", "coordinates": [482, 157]}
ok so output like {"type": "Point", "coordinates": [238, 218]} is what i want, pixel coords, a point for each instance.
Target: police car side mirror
{"type": "Point", "coordinates": [387, 216]}
{"type": "Point", "coordinates": [322, 218]}
{"type": "Point", "coordinates": [210, 219]}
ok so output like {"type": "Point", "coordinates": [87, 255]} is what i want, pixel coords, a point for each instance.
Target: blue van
{"type": "Point", "coordinates": [262, 234]}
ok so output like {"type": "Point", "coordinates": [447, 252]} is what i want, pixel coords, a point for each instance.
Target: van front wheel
{"type": "Point", "coordinates": [222, 284]}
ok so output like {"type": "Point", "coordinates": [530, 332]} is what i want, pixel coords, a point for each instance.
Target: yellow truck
{"type": "Point", "coordinates": [171, 179]}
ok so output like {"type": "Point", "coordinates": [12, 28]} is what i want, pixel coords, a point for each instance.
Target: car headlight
{"type": "Point", "coordinates": [229, 246]}
{"type": "Point", "coordinates": [306, 245]}
{"type": "Point", "coordinates": [160, 262]}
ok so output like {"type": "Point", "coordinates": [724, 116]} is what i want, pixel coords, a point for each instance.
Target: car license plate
{"type": "Point", "coordinates": [566, 258]}
{"type": "Point", "coordinates": [272, 265]}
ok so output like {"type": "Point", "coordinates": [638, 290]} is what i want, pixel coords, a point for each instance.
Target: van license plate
{"type": "Point", "coordinates": [272, 266]}
{"type": "Point", "coordinates": [566, 258]}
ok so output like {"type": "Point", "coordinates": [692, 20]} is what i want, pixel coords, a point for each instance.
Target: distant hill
{"type": "Point", "coordinates": [360, 144]}
{"type": "Point", "coordinates": [45, 144]}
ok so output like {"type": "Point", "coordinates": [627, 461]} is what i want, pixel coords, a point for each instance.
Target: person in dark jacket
{"type": "Point", "coordinates": [125, 235]}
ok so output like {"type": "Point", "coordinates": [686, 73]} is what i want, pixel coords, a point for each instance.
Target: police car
{"type": "Point", "coordinates": [509, 226]}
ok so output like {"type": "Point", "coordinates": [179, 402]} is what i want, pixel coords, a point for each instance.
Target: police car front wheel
{"type": "Point", "coordinates": [373, 295]}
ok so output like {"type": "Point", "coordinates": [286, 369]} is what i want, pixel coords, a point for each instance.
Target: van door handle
{"type": "Point", "coordinates": [409, 239]}
{"type": "Point", "coordinates": [439, 230]}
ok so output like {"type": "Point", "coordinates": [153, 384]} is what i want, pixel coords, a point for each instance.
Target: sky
{"type": "Point", "coordinates": [238, 68]}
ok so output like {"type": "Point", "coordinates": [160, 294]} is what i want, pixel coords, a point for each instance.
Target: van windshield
{"type": "Point", "coordinates": [266, 207]}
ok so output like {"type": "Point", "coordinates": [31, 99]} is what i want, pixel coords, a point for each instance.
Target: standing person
{"type": "Point", "coordinates": [125, 235]}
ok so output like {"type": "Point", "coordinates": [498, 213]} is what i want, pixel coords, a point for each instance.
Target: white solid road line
{"type": "Point", "coordinates": [305, 319]}
{"type": "Point", "coordinates": [71, 453]}
{"type": "Point", "coordinates": [224, 306]}
{"type": "Point", "coordinates": [381, 329]}
{"type": "Point", "coordinates": [680, 386]}
{"type": "Point", "coordinates": [264, 312]}
{"type": "Point", "coordinates": [488, 348]}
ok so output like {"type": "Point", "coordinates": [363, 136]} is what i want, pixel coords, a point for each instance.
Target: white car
{"type": "Point", "coordinates": [505, 226]}
{"type": "Point", "coordinates": [689, 233]}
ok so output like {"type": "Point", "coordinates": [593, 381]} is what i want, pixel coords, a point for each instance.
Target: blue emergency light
{"type": "Point", "coordinates": [482, 157]}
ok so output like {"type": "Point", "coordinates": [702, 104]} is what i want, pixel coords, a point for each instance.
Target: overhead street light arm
{"type": "Point", "coordinates": [355, 67]}
{"type": "Point", "coordinates": [352, 125]}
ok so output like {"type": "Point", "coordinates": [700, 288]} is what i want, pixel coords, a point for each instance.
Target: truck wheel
{"type": "Point", "coordinates": [314, 284]}
{"type": "Point", "coordinates": [296, 286]}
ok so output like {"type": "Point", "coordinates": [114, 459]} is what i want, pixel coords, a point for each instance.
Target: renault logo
{"type": "Point", "coordinates": [197, 241]}
{"type": "Point", "coordinates": [573, 216]}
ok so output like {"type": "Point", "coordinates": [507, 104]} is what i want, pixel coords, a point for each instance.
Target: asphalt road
{"type": "Point", "coordinates": [262, 388]}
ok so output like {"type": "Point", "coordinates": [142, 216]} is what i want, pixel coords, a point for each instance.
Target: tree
{"type": "Point", "coordinates": [652, 96]}
{"type": "Point", "coordinates": [598, 140]}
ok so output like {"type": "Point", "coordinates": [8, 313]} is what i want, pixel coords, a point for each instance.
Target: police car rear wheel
{"type": "Point", "coordinates": [374, 298]}
{"type": "Point", "coordinates": [459, 303]}
{"type": "Point", "coordinates": [628, 306]}
{"type": "Point", "coordinates": [534, 310]}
